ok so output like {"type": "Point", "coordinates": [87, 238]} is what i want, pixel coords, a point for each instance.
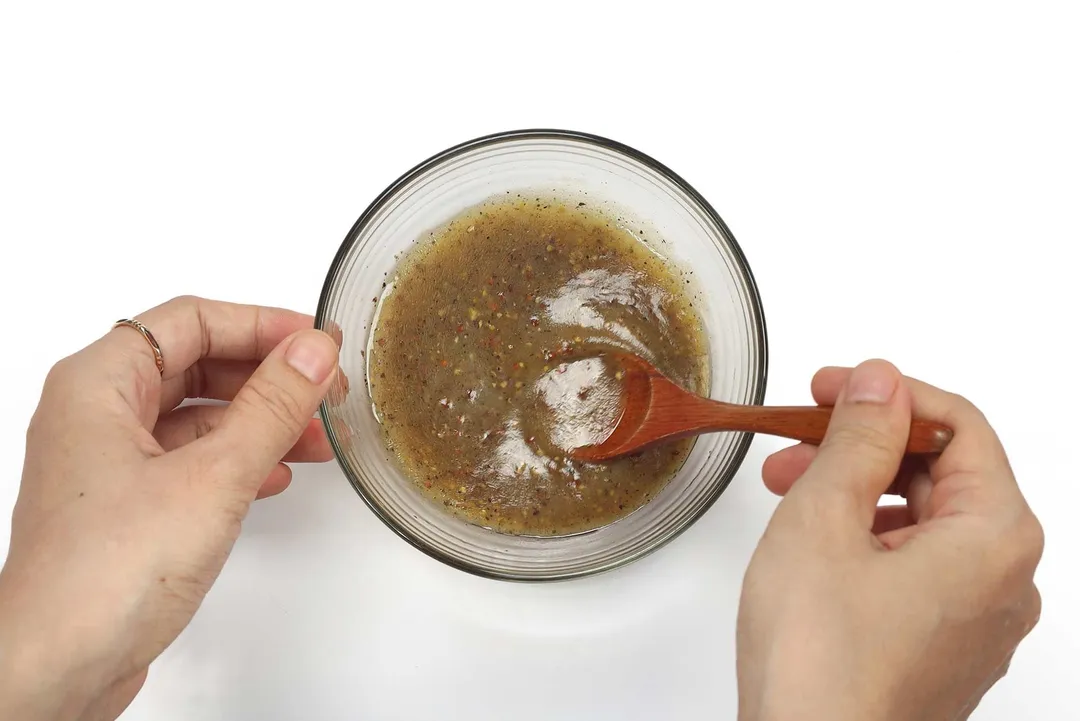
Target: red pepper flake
{"type": "Point", "coordinates": [534, 321]}
{"type": "Point", "coordinates": [491, 280]}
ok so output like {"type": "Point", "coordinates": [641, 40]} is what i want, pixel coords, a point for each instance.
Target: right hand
{"type": "Point", "coordinates": [854, 611]}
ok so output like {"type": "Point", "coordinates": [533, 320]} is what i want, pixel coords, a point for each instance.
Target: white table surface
{"type": "Point", "coordinates": [903, 180]}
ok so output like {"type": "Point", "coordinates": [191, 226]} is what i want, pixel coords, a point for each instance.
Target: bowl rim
{"type": "Point", "coordinates": [743, 266]}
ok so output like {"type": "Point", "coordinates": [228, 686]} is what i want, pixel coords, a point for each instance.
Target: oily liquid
{"type": "Point", "coordinates": [487, 362]}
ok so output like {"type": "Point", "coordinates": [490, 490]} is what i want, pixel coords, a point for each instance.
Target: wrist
{"type": "Point", "coordinates": [786, 688]}
{"type": "Point", "coordinates": [23, 689]}
{"type": "Point", "coordinates": [795, 708]}
{"type": "Point", "coordinates": [38, 682]}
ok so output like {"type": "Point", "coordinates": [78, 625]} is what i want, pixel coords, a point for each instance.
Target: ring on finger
{"type": "Point", "coordinates": [159, 360]}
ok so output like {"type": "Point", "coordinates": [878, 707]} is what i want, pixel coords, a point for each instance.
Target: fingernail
{"type": "Point", "coordinates": [872, 382]}
{"type": "Point", "coordinates": [313, 355]}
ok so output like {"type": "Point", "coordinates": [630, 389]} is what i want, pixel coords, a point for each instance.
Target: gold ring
{"type": "Point", "coordinates": [145, 333]}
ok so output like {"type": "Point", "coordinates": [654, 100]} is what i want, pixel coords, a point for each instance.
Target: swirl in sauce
{"type": "Point", "coordinates": [487, 365]}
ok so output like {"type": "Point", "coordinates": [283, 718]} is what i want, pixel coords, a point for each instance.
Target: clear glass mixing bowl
{"type": "Point", "coordinates": [617, 179]}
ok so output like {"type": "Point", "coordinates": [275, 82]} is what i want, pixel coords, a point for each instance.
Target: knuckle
{"type": "Point", "coordinates": [963, 413]}
{"type": "Point", "coordinates": [863, 439]}
{"type": "Point", "coordinates": [1020, 545]}
{"type": "Point", "coordinates": [61, 386]}
{"type": "Point", "coordinates": [819, 512]}
{"type": "Point", "coordinates": [185, 301]}
{"type": "Point", "coordinates": [60, 375]}
{"type": "Point", "coordinates": [215, 472]}
{"type": "Point", "coordinates": [203, 422]}
{"type": "Point", "coordinates": [1028, 542]}
{"type": "Point", "coordinates": [817, 515]}
{"type": "Point", "coordinates": [234, 508]}
{"type": "Point", "coordinates": [962, 403]}
{"type": "Point", "coordinates": [207, 467]}
{"type": "Point", "coordinates": [33, 428]}
{"type": "Point", "coordinates": [1009, 561]}
{"type": "Point", "coordinates": [1035, 537]}
{"type": "Point", "coordinates": [1034, 608]}
{"type": "Point", "coordinates": [275, 402]}
{"type": "Point", "coordinates": [192, 306]}
{"type": "Point", "coordinates": [1003, 670]}
{"type": "Point", "coordinates": [195, 380]}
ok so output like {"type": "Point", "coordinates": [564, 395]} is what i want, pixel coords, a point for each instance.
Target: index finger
{"type": "Point", "coordinates": [189, 329]}
{"type": "Point", "coordinates": [975, 447]}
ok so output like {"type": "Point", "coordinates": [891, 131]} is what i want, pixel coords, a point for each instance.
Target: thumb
{"type": "Point", "coordinates": [271, 410]}
{"type": "Point", "coordinates": [864, 444]}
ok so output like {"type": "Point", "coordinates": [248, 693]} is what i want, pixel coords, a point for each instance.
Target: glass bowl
{"type": "Point", "coordinates": [620, 180]}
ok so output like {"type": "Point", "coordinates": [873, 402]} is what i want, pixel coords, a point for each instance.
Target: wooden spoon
{"type": "Point", "coordinates": [656, 410]}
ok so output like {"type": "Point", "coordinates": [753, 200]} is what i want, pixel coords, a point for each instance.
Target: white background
{"type": "Point", "coordinates": [903, 178]}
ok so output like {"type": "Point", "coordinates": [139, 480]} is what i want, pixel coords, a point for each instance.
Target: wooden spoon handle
{"type": "Point", "coordinates": [808, 424]}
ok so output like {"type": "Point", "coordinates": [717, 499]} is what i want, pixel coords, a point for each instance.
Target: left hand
{"type": "Point", "coordinates": [129, 505]}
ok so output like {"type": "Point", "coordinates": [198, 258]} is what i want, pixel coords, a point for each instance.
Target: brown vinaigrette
{"type": "Point", "coordinates": [486, 363]}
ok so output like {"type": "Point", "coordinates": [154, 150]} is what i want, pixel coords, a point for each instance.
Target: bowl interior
{"type": "Point", "coordinates": [622, 184]}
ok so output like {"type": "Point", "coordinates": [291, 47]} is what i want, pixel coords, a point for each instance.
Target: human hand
{"type": "Point", "coordinates": [851, 611]}
{"type": "Point", "coordinates": [129, 505]}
